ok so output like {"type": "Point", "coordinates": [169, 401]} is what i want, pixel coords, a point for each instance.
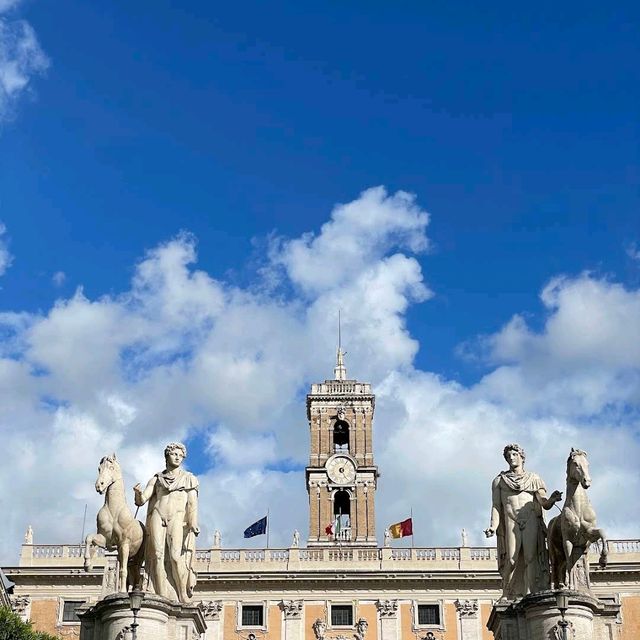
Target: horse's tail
{"type": "Point", "coordinates": [555, 553]}
{"type": "Point", "coordinates": [135, 562]}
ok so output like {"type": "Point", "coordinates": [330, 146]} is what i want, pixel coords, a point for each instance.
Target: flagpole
{"type": "Point", "coordinates": [412, 544]}
{"type": "Point", "coordinates": [267, 528]}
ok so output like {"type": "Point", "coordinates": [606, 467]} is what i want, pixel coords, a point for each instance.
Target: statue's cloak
{"type": "Point", "coordinates": [181, 481]}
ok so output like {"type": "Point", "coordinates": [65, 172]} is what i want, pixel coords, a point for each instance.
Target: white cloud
{"type": "Point", "coordinates": [58, 278]}
{"type": "Point", "coordinates": [182, 353]}
{"type": "Point", "coordinates": [633, 252]}
{"type": "Point", "coordinates": [20, 58]}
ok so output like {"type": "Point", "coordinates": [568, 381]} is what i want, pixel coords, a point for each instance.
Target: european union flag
{"type": "Point", "coordinates": [257, 528]}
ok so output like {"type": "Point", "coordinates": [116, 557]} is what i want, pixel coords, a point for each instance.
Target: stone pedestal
{"type": "Point", "coordinates": [158, 619]}
{"type": "Point", "coordinates": [536, 617]}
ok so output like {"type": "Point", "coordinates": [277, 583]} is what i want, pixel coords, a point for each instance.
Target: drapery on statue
{"type": "Point", "coordinates": [518, 498]}
{"type": "Point", "coordinates": [117, 528]}
{"type": "Point", "coordinates": [172, 525]}
{"type": "Point", "coordinates": [571, 533]}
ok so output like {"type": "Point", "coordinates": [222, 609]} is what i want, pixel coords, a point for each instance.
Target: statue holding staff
{"type": "Point", "coordinates": [518, 498]}
{"type": "Point", "coordinates": [172, 525]}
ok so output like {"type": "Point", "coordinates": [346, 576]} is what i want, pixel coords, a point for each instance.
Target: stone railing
{"type": "Point", "coordinates": [330, 557]}
{"type": "Point", "coordinates": [340, 386]}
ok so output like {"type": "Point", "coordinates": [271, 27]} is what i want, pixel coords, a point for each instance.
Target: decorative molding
{"type": "Point", "coordinates": [20, 604]}
{"type": "Point", "coordinates": [467, 608]}
{"type": "Point", "coordinates": [319, 629]}
{"type": "Point", "coordinates": [361, 628]}
{"type": "Point", "coordinates": [387, 608]}
{"type": "Point", "coordinates": [556, 631]}
{"type": "Point", "coordinates": [211, 609]}
{"type": "Point", "coordinates": [292, 609]}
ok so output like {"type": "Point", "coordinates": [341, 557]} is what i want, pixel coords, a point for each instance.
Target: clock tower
{"type": "Point", "coordinates": [341, 476]}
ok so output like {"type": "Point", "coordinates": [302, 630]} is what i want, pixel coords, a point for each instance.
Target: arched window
{"type": "Point", "coordinates": [342, 514]}
{"type": "Point", "coordinates": [341, 436]}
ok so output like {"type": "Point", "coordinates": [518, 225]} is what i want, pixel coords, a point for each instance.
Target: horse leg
{"type": "Point", "coordinates": [599, 534]}
{"type": "Point", "coordinates": [568, 565]}
{"type": "Point", "coordinates": [92, 542]}
{"type": "Point", "coordinates": [123, 559]}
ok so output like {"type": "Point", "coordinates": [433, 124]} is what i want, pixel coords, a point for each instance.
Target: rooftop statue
{"type": "Point", "coordinates": [571, 533]}
{"type": "Point", "coordinates": [172, 525]}
{"type": "Point", "coordinates": [518, 498]}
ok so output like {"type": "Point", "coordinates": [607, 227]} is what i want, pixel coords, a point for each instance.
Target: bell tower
{"type": "Point", "coordinates": [341, 476]}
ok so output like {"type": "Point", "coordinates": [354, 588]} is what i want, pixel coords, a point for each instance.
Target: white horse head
{"type": "Point", "coordinates": [578, 468]}
{"type": "Point", "coordinates": [108, 472]}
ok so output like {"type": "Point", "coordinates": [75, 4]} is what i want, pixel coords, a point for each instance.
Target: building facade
{"type": "Point", "coordinates": [342, 585]}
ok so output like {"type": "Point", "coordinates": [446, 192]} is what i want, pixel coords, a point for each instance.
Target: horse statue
{"type": "Point", "coordinates": [117, 528]}
{"type": "Point", "coordinates": [571, 533]}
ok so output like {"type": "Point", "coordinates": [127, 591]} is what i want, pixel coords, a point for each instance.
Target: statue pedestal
{"type": "Point", "coordinates": [158, 619]}
{"type": "Point", "coordinates": [536, 617]}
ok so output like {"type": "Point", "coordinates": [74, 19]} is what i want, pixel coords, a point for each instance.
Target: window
{"type": "Point", "coordinates": [252, 615]}
{"type": "Point", "coordinates": [341, 615]}
{"type": "Point", "coordinates": [69, 610]}
{"type": "Point", "coordinates": [428, 614]}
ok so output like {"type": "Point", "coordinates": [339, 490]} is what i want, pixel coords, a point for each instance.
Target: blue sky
{"type": "Point", "coordinates": [516, 127]}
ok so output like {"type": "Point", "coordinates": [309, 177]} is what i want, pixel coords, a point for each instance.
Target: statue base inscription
{"type": "Point", "coordinates": [537, 617]}
{"type": "Point", "coordinates": [158, 619]}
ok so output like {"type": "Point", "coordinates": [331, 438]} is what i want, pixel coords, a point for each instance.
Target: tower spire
{"type": "Point", "coordinates": [340, 371]}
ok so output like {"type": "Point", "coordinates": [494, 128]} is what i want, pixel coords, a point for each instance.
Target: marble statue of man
{"type": "Point", "coordinates": [465, 538]}
{"type": "Point", "coordinates": [516, 518]}
{"type": "Point", "coordinates": [217, 539]}
{"type": "Point", "coordinates": [296, 539]}
{"type": "Point", "coordinates": [387, 537]}
{"type": "Point", "coordinates": [28, 536]}
{"type": "Point", "coordinates": [172, 525]}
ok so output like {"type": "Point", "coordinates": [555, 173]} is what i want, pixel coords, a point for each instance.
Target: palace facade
{"type": "Point", "coordinates": [342, 585]}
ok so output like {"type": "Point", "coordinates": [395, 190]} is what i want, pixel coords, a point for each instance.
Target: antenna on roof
{"type": "Point", "coordinates": [340, 371]}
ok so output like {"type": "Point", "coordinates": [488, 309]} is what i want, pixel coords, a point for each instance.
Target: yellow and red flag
{"type": "Point", "coordinates": [401, 529]}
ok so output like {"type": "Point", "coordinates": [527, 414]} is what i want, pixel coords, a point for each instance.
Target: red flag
{"type": "Point", "coordinates": [401, 529]}
{"type": "Point", "coordinates": [329, 529]}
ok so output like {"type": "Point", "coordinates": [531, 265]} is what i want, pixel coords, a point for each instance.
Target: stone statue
{"type": "Point", "coordinates": [117, 528]}
{"type": "Point", "coordinates": [172, 525]}
{"type": "Point", "coordinates": [518, 498]}
{"type": "Point", "coordinates": [465, 538]}
{"type": "Point", "coordinates": [361, 629]}
{"type": "Point", "coordinates": [28, 536]}
{"type": "Point", "coordinates": [571, 533]}
{"type": "Point", "coordinates": [217, 539]}
{"type": "Point", "coordinates": [296, 538]}
{"type": "Point", "coordinates": [319, 629]}
{"type": "Point", "coordinates": [387, 537]}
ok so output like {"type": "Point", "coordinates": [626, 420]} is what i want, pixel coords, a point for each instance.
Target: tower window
{"type": "Point", "coordinates": [341, 437]}
{"type": "Point", "coordinates": [341, 615]}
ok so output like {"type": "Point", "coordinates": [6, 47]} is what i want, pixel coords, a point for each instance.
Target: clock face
{"type": "Point", "coordinates": [341, 470]}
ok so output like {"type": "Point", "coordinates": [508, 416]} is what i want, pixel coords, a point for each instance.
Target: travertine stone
{"type": "Point", "coordinates": [536, 617]}
{"type": "Point", "coordinates": [518, 498]}
{"type": "Point", "coordinates": [172, 526]}
{"type": "Point", "coordinates": [158, 619]}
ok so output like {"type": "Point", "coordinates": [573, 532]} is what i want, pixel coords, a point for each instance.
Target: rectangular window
{"type": "Point", "coordinates": [252, 615]}
{"type": "Point", "coordinates": [69, 610]}
{"type": "Point", "coordinates": [429, 614]}
{"type": "Point", "coordinates": [341, 615]}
